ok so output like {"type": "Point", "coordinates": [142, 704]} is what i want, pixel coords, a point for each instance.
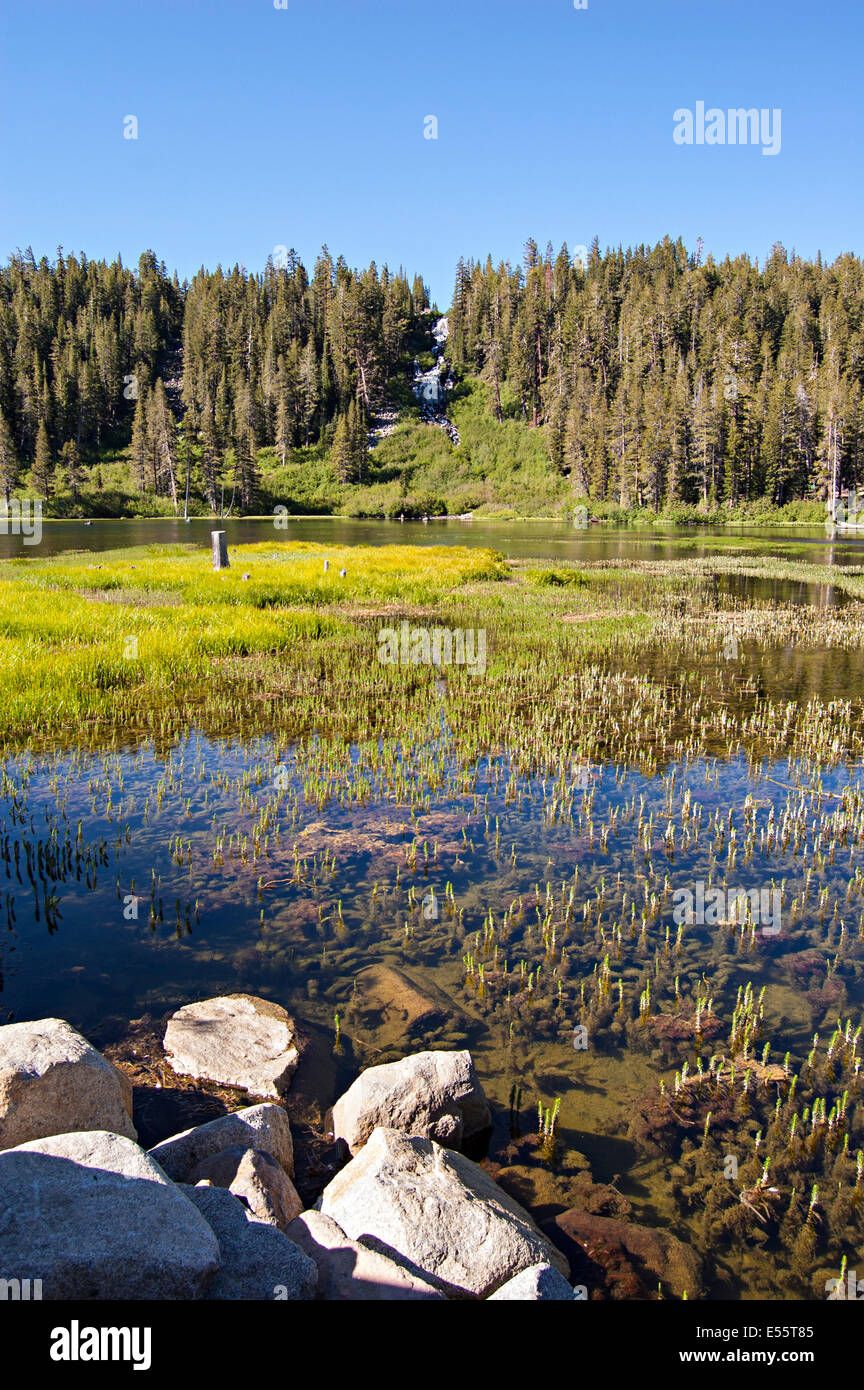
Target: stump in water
{"type": "Point", "coordinates": [220, 550]}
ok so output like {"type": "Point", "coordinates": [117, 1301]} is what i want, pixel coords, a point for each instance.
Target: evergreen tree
{"type": "Point", "coordinates": [342, 451]}
{"type": "Point", "coordinates": [141, 449]}
{"type": "Point", "coordinates": [8, 461]}
{"type": "Point", "coordinates": [41, 474]}
{"type": "Point", "coordinates": [68, 469]}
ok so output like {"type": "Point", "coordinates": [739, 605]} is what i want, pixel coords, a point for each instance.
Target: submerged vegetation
{"type": "Point", "coordinates": [211, 782]}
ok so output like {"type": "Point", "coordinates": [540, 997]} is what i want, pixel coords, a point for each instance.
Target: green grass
{"type": "Point", "coordinates": [610, 659]}
{"type": "Point", "coordinates": [279, 574]}
{"type": "Point", "coordinates": [103, 640]}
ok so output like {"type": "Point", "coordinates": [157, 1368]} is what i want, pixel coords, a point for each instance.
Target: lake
{"type": "Point", "coordinates": [552, 540]}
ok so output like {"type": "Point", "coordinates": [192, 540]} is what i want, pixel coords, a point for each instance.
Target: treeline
{"type": "Point", "coordinates": [661, 379]}
{"type": "Point", "coordinates": [653, 378]}
{"type": "Point", "coordinates": [76, 339]}
{"type": "Point", "coordinates": [198, 376]}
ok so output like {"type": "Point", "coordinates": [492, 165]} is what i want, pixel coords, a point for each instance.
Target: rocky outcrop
{"type": "Point", "coordinates": [258, 1262]}
{"type": "Point", "coordinates": [348, 1270]}
{"type": "Point", "coordinates": [437, 1211]}
{"type": "Point", "coordinates": [53, 1082]}
{"type": "Point", "coordinates": [255, 1127]}
{"type": "Point", "coordinates": [93, 1217]}
{"type": "Point", "coordinates": [435, 1095]}
{"type": "Point", "coordinates": [539, 1284]}
{"type": "Point", "coordinates": [256, 1179]}
{"type": "Point", "coordinates": [236, 1040]}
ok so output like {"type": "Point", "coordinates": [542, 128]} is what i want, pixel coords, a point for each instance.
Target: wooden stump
{"type": "Point", "coordinates": [220, 550]}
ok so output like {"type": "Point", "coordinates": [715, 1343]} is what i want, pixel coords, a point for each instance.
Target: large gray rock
{"type": "Point", "coordinates": [437, 1210]}
{"type": "Point", "coordinates": [257, 1180]}
{"type": "Point", "coordinates": [539, 1284]}
{"type": "Point", "coordinates": [255, 1127]}
{"type": "Point", "coordinates": [237, 1040]}
{"type": "Point", "coordinates": [349, 1271]}
{"type": "Point", "coordinates": [93, 1217]}
{"type": "Point", "coordinates": [258, 1262]}
{"type": "Point", "coordinates": [435, 1095]}
{"type": "Point", "coordinates": [53, 1082]}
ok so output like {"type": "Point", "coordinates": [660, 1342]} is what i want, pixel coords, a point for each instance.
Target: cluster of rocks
{"type": "Point", "coordinates": [384, 424]}
{"type": "Point", "coordinates": [212, 1213]}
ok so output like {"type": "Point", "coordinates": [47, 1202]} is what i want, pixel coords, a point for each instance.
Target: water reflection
{"type": "Point", "coordinates": [517, 539]}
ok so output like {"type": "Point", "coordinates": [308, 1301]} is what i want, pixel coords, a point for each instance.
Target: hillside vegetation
{"type": "Point", "coordinates": [640, 383]}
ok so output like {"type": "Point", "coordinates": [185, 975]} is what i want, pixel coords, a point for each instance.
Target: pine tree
{"type": "Point", "coordinates": [141, 449]}
{"type": "Point", "coordinates": [162, 434]}
{"type": "Point", "coordinates": [8, 461]}
{"type": "Point", "coordinates": [358, 433]}
{"type": "Point", "coordinates": [41, 474]}
{"type": "Point", "coordinates": [655, 443]}
{"type": "Point", "coordinates": [284, 423]}
{"type": "Point", "coordinates": [419, 295]}
{"type": "Point", "coordinates": [309, 389]}
{"type": "Point", "coordinates": [209, 453]}
{"type": "Point", "coordinates": [68, 469]}
{"type": "Point", "coordinates": [245, 457]}
{"type": "Point", "coordinates": [342, 451]}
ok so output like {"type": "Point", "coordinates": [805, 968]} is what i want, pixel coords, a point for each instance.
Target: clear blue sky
{"type": "Point", "coordinates": [261, 127]}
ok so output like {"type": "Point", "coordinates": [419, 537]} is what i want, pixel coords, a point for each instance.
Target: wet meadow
{"type": "Point", "coordinates": [621, 859]}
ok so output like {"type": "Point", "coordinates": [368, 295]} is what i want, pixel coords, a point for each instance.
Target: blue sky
{"type": "Point", "coordinates": [261, 127]}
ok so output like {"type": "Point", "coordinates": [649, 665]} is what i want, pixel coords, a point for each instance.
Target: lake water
{"type": "Point", "coordinates": [516, 539]}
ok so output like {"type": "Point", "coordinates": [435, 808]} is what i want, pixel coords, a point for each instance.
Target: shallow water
{"type": "Point", "coordinates": [331, 914]}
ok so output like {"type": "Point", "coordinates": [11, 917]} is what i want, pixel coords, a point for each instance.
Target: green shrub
{"type": "Point", "coordinates": [556, 577]}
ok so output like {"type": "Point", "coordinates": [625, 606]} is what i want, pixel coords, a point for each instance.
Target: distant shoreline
{"type": "Point", "coordinates": [639, 524]}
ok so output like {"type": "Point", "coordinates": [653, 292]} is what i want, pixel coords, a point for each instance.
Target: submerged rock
{"type": "Point", "coordinates": [436, 1209]}
{"type": "Point", "coordinates": [237, 1040]}
{"type": "Point", "coordinates": [629, 1260]}
{"type": "Point", "coordinates": [93, 1217]}
{"type": "Point", "coordinates": [539, 1284]}
{"type": "Point", "coordinates": [52, 1081]}
{"type": "Point", "coordinates": [255, 1127]}
{"type": "Point", "coordinates": [256, 1179]}
{"type": "Point", "coordinates": [394, 1008]}
{"type": "Point", "coordinates": [350, 1271]}
{"type": "Point", "coordinates": [432, 1094]}
{"type": "Point", "coordinates": [258, 1262]}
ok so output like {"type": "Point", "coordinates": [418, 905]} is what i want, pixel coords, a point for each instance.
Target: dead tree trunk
{"type": "Point", "coordinates": [220, 550]}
